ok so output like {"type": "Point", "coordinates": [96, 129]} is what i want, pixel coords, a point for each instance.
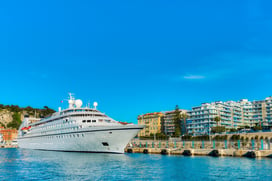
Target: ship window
{"type": "Point", "coordinates": [84, 121]}
{"type": "Point", "coordinates": [105, 143]}
{"type": "Point", "coordinates": [88, 121]}
{"type": "Point", "coordinates": [94, 121]}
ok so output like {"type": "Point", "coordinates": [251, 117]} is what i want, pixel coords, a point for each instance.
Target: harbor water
{"type": "Point", "coordinates": [24, 164]}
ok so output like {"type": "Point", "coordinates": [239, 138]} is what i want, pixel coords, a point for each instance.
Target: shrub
{"type": "Point", "coordinates": [257, 128]}
{"type": "Point", "coordinates": [233, 130]}
{"type": "Point", "coordinates": [218, 129]}
{"type": "Point", "coordinates": [187, 137]}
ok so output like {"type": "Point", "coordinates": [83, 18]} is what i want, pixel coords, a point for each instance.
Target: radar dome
{"type": "Point", "coordinates": [95, 104]}
{"type": "Point", "coordinates": [78, 103]}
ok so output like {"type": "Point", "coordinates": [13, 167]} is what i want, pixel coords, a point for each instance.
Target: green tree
{"type": "Point", "coordinates": [218, 129]}
{"type": "Point", "coordinates": [232, 130]}
{"type": "Point", "coordinates": [217, 119]}
{"type": "Point", "coordinates": [2, 124]}
{"type": "Point", "coordinates": [46, 111]}
{"type": "Point", "coordinates": [184, 116]}
{"type": "Point", "coordinates": [177, 121]}
{"type": "Point", "coordinates": [257, 128]}
{"type": "Point", "coordinates": [16, 121]}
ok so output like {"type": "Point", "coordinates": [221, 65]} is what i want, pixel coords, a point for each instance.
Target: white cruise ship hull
{"type": "Point", "coordinates": [93, 139]}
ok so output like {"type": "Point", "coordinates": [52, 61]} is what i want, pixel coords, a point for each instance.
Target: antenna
{"type": "Point", "coordinates": [71, 96]}
{"type": "Point", "coordinates": [71, 100]}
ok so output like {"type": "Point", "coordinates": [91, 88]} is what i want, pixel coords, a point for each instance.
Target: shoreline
{"type": "Point", "coordinates": [203, 152]}
{"type": "Point", "coordinates": [233, 148]}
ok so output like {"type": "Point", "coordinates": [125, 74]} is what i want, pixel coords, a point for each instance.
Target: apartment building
{"type": "Point", "coordinates": [152, 122]}
{"type": "Point", "coordinates": [8, 134]}
{"type": "Point", "coordinates": [268, 111]}
{"type": "Point", "coordinates": [232, 114]}
{"type": "Point", "coordinates": [168, 122]}
{"type": "Point", "coordinates": [202, 118]}
{"type": "Point", "coordinates": [262, 112]}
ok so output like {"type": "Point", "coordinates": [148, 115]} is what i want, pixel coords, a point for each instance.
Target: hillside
{"type": "Point", "coordinates": [11, 116]}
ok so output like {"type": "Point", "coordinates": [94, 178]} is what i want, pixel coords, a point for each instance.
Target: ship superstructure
{"type": "Point", "coordinates": [76, 128]}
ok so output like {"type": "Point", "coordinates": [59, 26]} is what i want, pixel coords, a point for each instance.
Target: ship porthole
{"type": "Point", "coordinates": [110, 132]}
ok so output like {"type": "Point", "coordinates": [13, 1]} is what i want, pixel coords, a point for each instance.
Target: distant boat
{"type": "Point", "coordinates": [77, 129]}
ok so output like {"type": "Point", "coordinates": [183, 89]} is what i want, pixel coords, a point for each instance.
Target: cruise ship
{"type": "Point", "coordinates": [76, 129]}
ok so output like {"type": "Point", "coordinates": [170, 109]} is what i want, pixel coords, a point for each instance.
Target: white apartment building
{"type": "Point", "coordinates": [232, 114]}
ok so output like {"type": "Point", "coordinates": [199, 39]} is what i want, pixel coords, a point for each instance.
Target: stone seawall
{"type": "Point", "coordinates": [251, 148]}
{"type": "Point", "coordinates": [202, 152]}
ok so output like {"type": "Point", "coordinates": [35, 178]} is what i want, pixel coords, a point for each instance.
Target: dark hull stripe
{"type": "Point", "coordinates": [75, 132]}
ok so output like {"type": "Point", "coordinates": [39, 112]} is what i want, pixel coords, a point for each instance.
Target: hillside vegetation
{"type": "Point", "coordinates": [11, 116]}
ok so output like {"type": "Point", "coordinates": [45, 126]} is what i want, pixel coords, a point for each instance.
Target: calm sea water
{"type": "Point", "coordinates": [23, 164]}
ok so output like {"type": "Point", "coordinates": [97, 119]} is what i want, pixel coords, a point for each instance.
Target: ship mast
{"type": "Point", "coordinates": [71, 101]}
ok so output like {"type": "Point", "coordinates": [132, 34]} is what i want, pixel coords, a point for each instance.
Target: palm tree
{"type": "Point", "coordinates": [217, 119]}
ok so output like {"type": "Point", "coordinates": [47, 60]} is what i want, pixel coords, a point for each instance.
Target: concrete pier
{"type": "Point", "coordinates": [201, 152]}
{"type": "Point", "coordinates": [202, 148]}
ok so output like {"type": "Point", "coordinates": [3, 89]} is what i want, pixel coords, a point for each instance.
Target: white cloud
{"type": "Point", "coordinates": [194, 77]}
{"type": "Point", "coordinates": [223, 66]}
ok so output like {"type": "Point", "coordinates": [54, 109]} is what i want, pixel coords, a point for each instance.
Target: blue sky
{"type": "Point", "coordinates": [134, 57]}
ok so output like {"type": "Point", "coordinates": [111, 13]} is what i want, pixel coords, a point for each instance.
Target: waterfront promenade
{"type": "Point", "coordinates": [249, 145]}
{"type": "Point", "coordinates": [213, 148]}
